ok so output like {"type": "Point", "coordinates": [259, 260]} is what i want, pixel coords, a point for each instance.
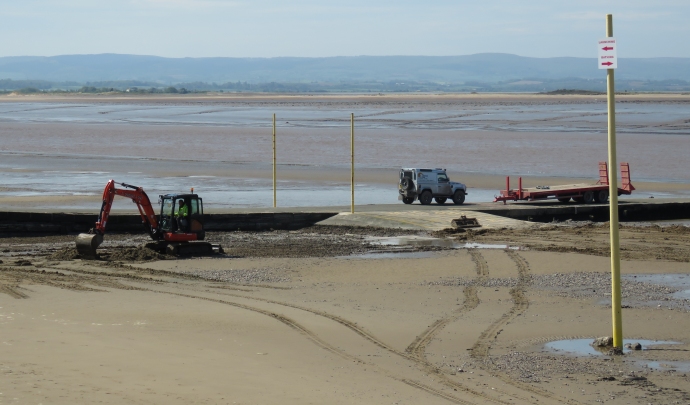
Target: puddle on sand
{"type": "Point", "coordinates": [682, 295]}
{"type": "Point", "coordinates": [670, 280]}
{"type": "Point", "coordinates": [681, 366]}
{"type": "Point", "coordinates": [400, 245]}
{"type": "Point", "coordinates": [424, 241]}
{"type": "Point", "coordinates": [583, 347]}
{"type": "Point", "coordinates": [391, 255]}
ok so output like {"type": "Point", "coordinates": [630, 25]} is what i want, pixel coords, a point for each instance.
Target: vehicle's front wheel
{"type": "Point", "coordinates": [425, 198]}
{"type": "Point", "coordinates": [459, 197]}
{"type": "Point", "coordinates": [408, 200]}
{"type": "Point", "coordinates": [440, 200]}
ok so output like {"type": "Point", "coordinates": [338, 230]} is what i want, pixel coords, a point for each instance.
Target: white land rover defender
{"type": "Point", "coordinates": [425, 184]}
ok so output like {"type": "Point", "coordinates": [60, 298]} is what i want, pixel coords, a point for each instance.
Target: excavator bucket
{"type": "Point", "coordinates": [87, 244]}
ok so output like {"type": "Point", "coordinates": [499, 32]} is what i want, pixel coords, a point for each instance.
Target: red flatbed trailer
{"type": "Point", "coordinates": [582, 193]}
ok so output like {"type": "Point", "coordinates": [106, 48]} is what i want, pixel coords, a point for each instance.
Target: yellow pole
{"type": "Point", "coordinates": [352, 162]}
{"type": "Point", "coordinates": [274, 161]}
{"type": "Point", "coordinates": [613, 206]}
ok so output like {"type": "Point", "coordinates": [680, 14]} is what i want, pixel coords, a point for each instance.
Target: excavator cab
{"type": "Point", "coordinates": [170, 204]}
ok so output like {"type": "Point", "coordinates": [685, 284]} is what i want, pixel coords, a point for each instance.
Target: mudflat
{"type": "Point", "coordinates": [67, 147]}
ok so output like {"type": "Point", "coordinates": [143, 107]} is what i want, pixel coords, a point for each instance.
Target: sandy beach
{"type": "Point", "coordinates": [318, 316]}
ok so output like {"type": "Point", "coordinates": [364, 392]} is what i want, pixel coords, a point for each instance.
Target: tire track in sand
{"type": "Point", "coordinates": [418, 347]}
{"type": "Point", "coordinates": [422, 363]}
{"type": "Point", "coordinates": [320, 342]}
{"type": "Point", "coordinates": [11, 291]}
{"type": "Point", "coordinates": [482, 271]}
{"type": "Point", "coordinates": [481, 348]}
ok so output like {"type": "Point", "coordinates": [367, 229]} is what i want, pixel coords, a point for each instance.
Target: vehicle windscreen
{"type": "Point", "coordinates": [167, 206]}
{"type": "Point", "coordinates": [167, 214]}
{"type": "Point", "coordinates": [195, 207]}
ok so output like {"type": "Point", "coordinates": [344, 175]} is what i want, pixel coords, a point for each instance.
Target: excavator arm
{"type": "Point", "coordinates": [87, 243]}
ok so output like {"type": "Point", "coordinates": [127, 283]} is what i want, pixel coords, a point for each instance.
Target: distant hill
{"type": "Point", "coordinates": [479, 68]}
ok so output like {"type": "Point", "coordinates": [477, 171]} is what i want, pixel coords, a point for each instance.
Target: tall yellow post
{"type": "Point", "coordinates": [274, 162]}
{"type": "Point", "coordinates": [613, 205]}
{"type": "Point", "coordinates": [352, 162]}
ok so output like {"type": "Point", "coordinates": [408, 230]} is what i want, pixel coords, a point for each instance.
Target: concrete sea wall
{"type": "Point", "coordinates": [64, 223]}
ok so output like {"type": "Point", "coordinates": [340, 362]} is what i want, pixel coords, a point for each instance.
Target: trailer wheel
{"type": "Point", "coordinates": [602, 196]}
{"type": "Point", "coordinates": [408, 200]}
{"type": "Point", "coordinates": [563, 199]}
{"type": "Point", "coordinates": [588, 197]}
{"type": "Point", "coordinates": [459, 197]}
{"type": "Point", "coordinates": [425, 197]}
{"type": "Point", "coordinates": [440, 200]}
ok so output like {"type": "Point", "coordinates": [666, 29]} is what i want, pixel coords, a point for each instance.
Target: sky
{"type": "Point", "coordinates": [321, 28]}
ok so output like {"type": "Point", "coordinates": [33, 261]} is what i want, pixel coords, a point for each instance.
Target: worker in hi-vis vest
{"type": "Point", "coordinates": [181, 216]}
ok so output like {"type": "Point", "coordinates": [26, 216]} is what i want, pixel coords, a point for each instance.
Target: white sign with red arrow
{"type": "Point", "coordinates": [608, 58]}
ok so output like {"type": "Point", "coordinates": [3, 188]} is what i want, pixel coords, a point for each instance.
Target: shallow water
{"type": "Point", "coordinates": [583, 347]}
{"type": "Point", "coordinates": [423, 241]}
{"type": "Point", "coordinates": [679, 281]}
{"type": "Point", "coordinates": [391, 255]}
{"type": "Point", "coordinates": [680, 366]}
{"type": "Point", "coordinates": [405, 242]}
{"type": "Point", "coordinates": [217, 191]}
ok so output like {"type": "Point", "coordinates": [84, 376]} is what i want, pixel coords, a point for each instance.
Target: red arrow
{"type": "Point", "coordinates": [607, 63]}
{"type": "Point", "coordinates": [607, 48]}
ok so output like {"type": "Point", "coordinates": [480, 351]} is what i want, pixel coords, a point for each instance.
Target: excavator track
{"type": "Point", "coordinates": [193, 249]}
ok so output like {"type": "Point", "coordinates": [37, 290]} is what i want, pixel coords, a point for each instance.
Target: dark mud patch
{"type": "Point", "coordinates": [637, 242]}
{"type": "Point", "coordinates": [315, 241]}
{"type": "Point", "coordinates": [64, 254]}
{"type": "Point", "coordinates": [124, 254]}
{"type": "Point", "coordinates": [132, 254]}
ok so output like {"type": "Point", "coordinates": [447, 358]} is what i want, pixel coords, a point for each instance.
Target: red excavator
{"type": "Point", "coordinates": [171, 234]}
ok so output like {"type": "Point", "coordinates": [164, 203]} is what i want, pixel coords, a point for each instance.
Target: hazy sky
{"type": "Point", "coordinates": [268, 28]}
